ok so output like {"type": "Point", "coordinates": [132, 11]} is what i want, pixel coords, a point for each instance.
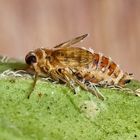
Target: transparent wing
{"type": "Point", "coordinates": [72, 41]}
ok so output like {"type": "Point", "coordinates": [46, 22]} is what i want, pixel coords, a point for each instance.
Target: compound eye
{"type": "Point", "coordinates": [30, 59]}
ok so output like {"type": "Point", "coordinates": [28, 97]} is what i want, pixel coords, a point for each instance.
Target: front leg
{"type": "Point", "coordinates": [33, 86]}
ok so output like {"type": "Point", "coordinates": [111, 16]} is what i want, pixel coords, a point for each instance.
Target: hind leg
{"type": "Point", "coordinates": [72, 81]}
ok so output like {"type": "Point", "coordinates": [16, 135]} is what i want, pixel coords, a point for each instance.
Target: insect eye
{"type": "Point", "coordinates": [30, 59]}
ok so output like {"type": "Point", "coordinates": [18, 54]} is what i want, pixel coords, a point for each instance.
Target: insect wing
{"type": "Point", "coordinates": [72, 41]}
{"type": "Point", "coordinates": [73, 56]}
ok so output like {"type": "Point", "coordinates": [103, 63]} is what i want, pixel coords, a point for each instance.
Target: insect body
{"type": "Point", "coordinates": [76, 66]}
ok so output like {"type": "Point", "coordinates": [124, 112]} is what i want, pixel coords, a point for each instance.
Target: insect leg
{"type": "Point", "coordinates": [33, 86]}
{"type": "Point", "coordinates": [94, 91]}
{"type": "Point", "coordinates": [57, 75]}
{"type": "Point", "coordinates": [85, 87]}
{"type": "Point", "coordinates": [125, 89]}
{"type": "Point", "coordinates": [54, 76]}
{"type": "Point", "coordinates": [69, 81]}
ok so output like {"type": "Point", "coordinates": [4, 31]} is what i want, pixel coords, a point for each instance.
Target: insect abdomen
{"type": "Point", "coordinates": [103, 71]}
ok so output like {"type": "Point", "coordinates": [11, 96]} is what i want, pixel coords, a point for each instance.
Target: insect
{"type": "Point", "coordinates": [76, 66]}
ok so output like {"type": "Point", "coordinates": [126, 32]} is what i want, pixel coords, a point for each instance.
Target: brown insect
{"type": "Point", "coordinates": [76, 66]}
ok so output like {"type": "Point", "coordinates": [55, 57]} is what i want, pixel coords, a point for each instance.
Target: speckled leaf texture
{"type": "Point", "coordinates": [54, 112]}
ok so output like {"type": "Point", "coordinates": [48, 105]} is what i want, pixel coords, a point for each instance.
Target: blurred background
{"type": "Point", "coordinates": [113, 25]}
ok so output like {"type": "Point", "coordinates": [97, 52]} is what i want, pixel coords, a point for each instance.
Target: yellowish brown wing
{"type": "Point", "coordinates": [72, 41]}
{"type": "Point", "coordinates": [72, 56]}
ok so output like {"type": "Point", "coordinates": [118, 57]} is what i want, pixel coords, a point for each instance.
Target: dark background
{"type": "Point", "coordinates": [113, 25]}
